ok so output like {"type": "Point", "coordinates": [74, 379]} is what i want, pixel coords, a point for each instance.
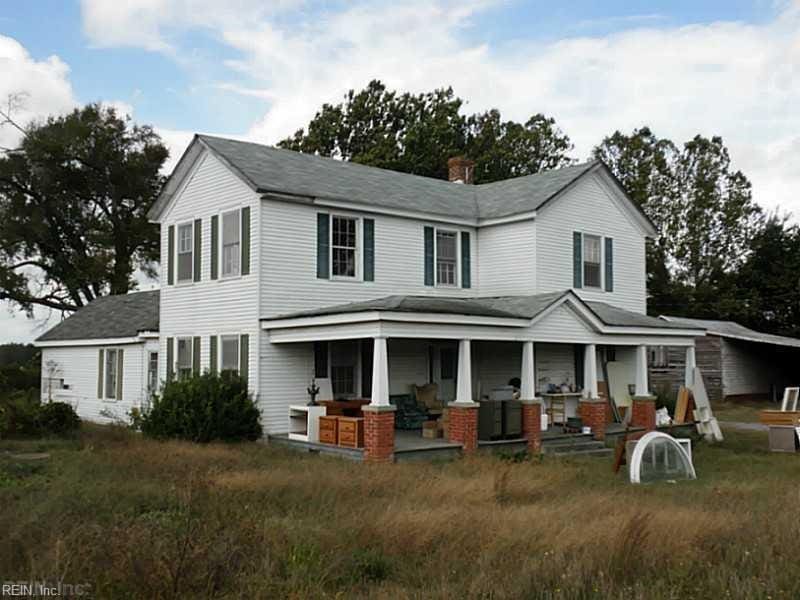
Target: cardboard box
{"type": "Point", "coordinates": [431, 433]}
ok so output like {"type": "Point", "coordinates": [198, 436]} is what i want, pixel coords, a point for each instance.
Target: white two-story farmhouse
{"type": "Point", "coordinates": [289, 267]}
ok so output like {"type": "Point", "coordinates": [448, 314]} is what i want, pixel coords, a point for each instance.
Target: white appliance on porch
{"type": "Point", "coordinates": [304, 422]}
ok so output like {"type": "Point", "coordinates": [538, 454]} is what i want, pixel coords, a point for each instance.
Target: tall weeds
{"type": "Point", "coordinates": [143, 519]}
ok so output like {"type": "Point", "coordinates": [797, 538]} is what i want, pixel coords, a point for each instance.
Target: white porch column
{"type": "Point", "coordinates": [641, 371]}
{"type": "Point", "coordinates": [528, 380]}
{"type": "Point", "coordinates": [590, 371]}
{"type": "Point", "coordinates": [691, 363]}
{"type": "Point", "coordinates": [464, 389]}
{"type": "Point", "coordinates": [380, 374]}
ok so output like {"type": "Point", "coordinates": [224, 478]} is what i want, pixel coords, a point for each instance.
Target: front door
{"type": "Point", "coordinates": [446, 368]}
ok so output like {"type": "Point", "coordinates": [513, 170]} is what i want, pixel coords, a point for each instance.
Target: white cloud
{"type": "Point", "coordinates": [43, 85]}
{"type": "Point", "coordinates": [726, 78]}
{"type": "Point", "coordinates": [151, 24]}
{"type": "Point", "coordinates": [45, 89]}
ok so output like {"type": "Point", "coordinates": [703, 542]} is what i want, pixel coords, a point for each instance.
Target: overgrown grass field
{"type": "Point", "coordinates": [137, 518]}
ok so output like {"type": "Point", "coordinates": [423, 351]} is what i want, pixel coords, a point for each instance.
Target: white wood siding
{"type": "Point", "coordinates": [285, 371]}
{"type": "Point", "coordinates": [289, 256]}
{"type": "Point", "coordinates": [507, 256]}
{"type": "Point", "coordinates": [590, 208]}
{"type": "Point", "coordinates": [751, 369]}
{"type": "Point", "coordinates": [408, 365]}
{"type": "Point", "coordinates": [78, 366]}
{"type": "Point", "coordinates": [211, 307]}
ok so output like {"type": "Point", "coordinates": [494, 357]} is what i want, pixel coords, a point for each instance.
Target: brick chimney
{"type": "Point", "coordinates": [460, 170]}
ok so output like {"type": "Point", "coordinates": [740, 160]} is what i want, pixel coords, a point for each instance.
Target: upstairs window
{"type": "Point", "coordinates": [344, 246]}
{"type": "Point", "coordinates": [229, 359]}
{"type": "Point", "coordinates": [185, 251]}
{"type": "Point", "coordinates": [446, 257]}
{"type": "Point", "coordinates": [592, 258]}
{"type": "Point", "coordinates": [231, 243]}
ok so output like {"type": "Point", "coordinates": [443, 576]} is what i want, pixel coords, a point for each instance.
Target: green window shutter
{"type": "Point", "coordinates": [244, 355]}
{"type": "Point", "coordinates": [196, 356]}
{"type": "Point", "coordinates": [323, 245]}
{"type": "Point", "coordinates": [609, 264]}
{"type": "Point", "coordinates": [577, 260]}
{"type": "Point", "coordinates": [215, 247]}
{"type": "Point", "coordinates": [120, 373]}
{"type": "Point", "coordinates": [466, 267]}
{"type": "Point", "coordinates": [171, 255]}
{"type": "Point", "coordinates": [212, 354]}
{"type": "Point", "coordinates": [320, 360]}
{"type": "Point", "coordinates": [429, 256]}
{"type": "Point", "coordinates": [579, 351]}
{"type": "Point", "coordinates": [198, 247]}
{"type": "Point", "coordinates": [170, 358]}
{"type": "Point", "coordinates": [246, 240]}
{"type": "Point", "coordinates": [100, 357]}
{"type": "Point", "coordinates": [369, 249]}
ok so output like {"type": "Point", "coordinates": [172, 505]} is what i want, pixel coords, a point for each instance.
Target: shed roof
{"type": "Point", "coordinates": [731, 329]}
{"type": "Point", "coordinates": [109, 317]}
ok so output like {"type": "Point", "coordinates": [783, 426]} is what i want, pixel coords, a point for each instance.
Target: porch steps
{"type": "Point", "coordinates": [579, 445]}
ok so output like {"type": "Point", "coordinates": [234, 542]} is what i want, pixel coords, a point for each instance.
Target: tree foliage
{"type": "Point", "coordinates": [73, 203]}
{"type": "Point", "coordinates": [770, 278]}
{"type": "Point", "coordinates": [703, 210]}
{"type": "Point", "coordinates": [419, 133]}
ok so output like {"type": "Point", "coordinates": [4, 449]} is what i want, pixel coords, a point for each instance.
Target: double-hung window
{"type": "Point", "coordinates": [592, 259]}
{"type": "Point", "coordinates": [231, 243]}
{"type": "Point", "coordinates": [446, 257]}
{"type": "Point", "coordinates": [229, 357]}
{"type": "Point", "coordinates": [344, 246]}
{"type": "Point", "coordinates": [343, 381]}
{"type": "Point", "coordinates": [111, 374]}
{"type": "Point", "coordinates": [184, 363]}
{"type": "Point", "coordinates": [185, 252]}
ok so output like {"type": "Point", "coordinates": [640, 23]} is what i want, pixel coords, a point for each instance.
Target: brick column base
{"type": "Point", "coordinates": [594, 413]}
{"type": "Point", "coordinates": [378, 433]}
{"type": "Point", "coordinates": [643, 412]}
{"type": "Point", "coordinates": [463, 425]}
{"type": "Point", "coordinates": [532, 424]}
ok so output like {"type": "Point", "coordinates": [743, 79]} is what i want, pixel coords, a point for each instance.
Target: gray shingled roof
{"type": "Point", "coordinates": [270, 169]}
{"type": "Point", "coordinates": [731, 329]}
{"type": "Point", "coordinates": [513, 307]}
{"type": "Point", "coordinates": [119, 316]}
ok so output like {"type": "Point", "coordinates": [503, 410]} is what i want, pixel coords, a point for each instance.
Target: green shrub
{"type": "Point", "coordinates": [203, 408]}
{"type": "Point", "coordinates": [18, 413]}
{"type": "Point", "coordinates": [57, 418]}
{"type": "Point", "coordinates": [22, 414]}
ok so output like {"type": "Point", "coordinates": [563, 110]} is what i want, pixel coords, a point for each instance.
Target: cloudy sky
{"type": "Point", "coordinates": [259, 70]}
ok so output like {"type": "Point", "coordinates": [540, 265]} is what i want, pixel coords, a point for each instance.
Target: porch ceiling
{"type": "Point", "coordinates": [512, 318]}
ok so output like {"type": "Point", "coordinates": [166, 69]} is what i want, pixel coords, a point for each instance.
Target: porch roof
{"type": "Point", "coordinates": [504, 307]}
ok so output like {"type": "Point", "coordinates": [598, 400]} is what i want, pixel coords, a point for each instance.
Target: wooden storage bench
{"type": "Point", "coordinates": [329, 430]}
{"type": "Point", "coordinates": [351, 432]}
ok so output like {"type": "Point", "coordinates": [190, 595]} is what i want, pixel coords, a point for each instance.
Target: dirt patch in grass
{"type": "Point", "coordinates": [144, 519]}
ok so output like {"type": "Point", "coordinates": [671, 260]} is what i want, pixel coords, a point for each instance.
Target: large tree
{"type": "Point", "coordinates": [703, 210]}
{"type": "Point", "coordinates": [418, 133]}
{"type": "Point", "coordinates": [769, 280]}
{"type": "Point", "coordinates": [73, 203]}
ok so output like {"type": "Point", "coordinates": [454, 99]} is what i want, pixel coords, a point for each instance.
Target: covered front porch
{"type": "Point", "coordinates": [411, 373]}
